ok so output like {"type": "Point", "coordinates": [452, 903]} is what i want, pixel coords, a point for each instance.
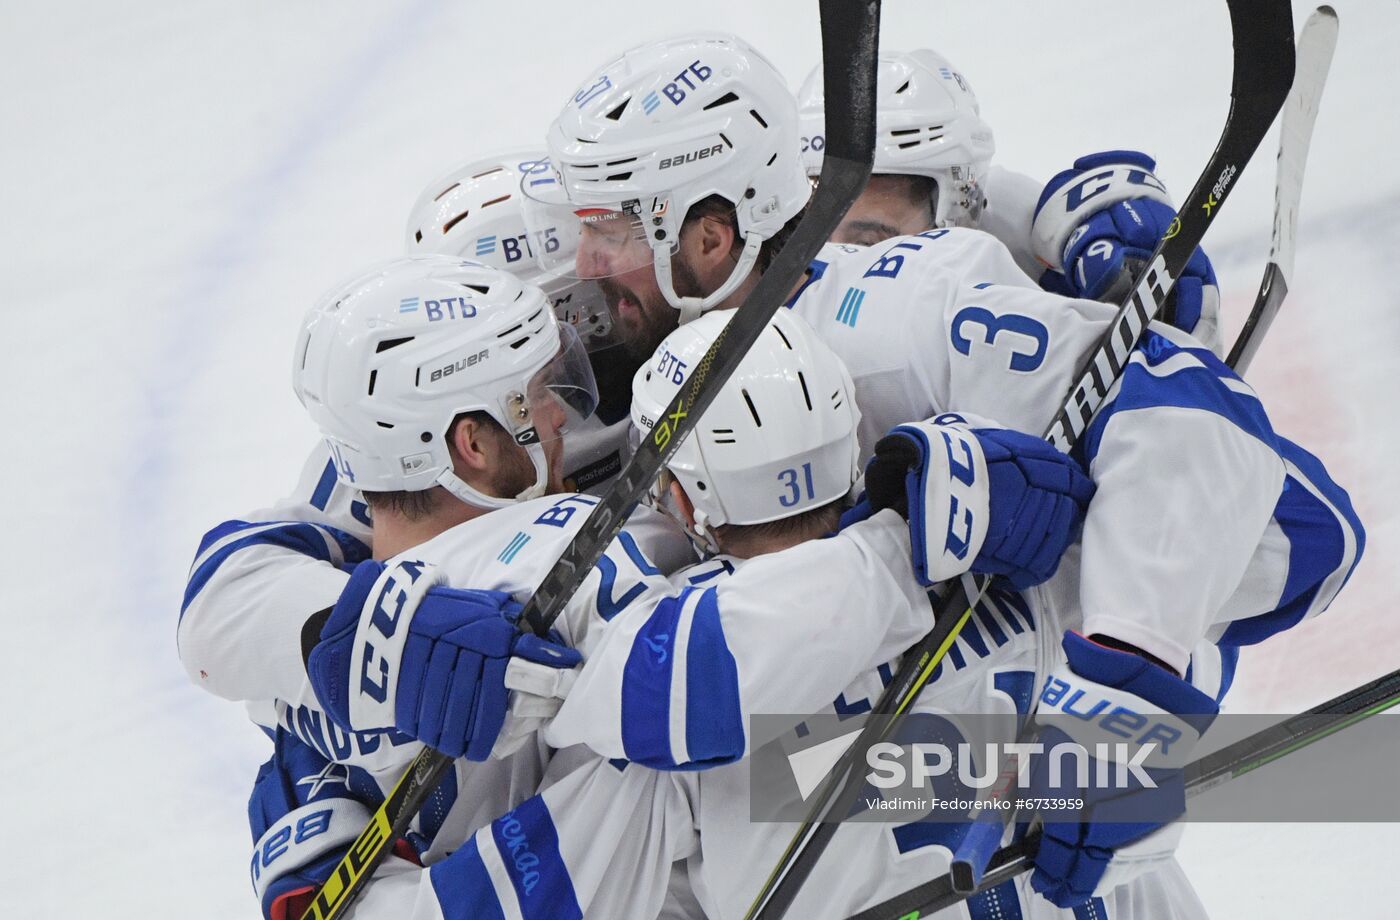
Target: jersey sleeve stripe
{"type": "Point", "coordinates": [1177, 379]}
{"type": "Point", "coordinates": [528, 845]}
{"type": "Point", "coordinates": [1325, 538]}
{"type": "Point", "coordinates": [317, 541]}
{"type": "Point", "coordinates": [714, 718]}
{"type": "Point", "coordinates": [465, 887]}
{"type": "Point", "coordinates": [680, 681]}
{"type": "Point", "coordinates": [646, 687]}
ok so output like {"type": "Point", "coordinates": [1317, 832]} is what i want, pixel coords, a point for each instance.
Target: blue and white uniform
{"type": "Point", "coordinates": [689, 661]}
{"type": "Point", "coordinates": [600, 839]}
{"type": "Point", "coordinates": [1205, 522]}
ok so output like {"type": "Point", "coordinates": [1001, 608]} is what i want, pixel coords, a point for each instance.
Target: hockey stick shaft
{"type": "Point", "coordinates": [1316, 42]}
{"type": "Point", "coordinates": [1262, 32]}
{"type": "Point", "coordinates": [1210, 771]}
{"type": "Point", "coordinates": [1315, 46]}
{"type": "Point", "coordinates": [850, 40]}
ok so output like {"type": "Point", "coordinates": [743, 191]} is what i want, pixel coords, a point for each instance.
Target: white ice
{"type": "Point", "coordinates": [182, 180]}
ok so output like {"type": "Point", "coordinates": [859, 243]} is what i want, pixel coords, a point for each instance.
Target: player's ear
{"type": "Point", "coordinates": [470, 442]}
{"type": "Point", "coordinates": [682, 501]}
{"type": "Point", "coordinates": [712, 243]}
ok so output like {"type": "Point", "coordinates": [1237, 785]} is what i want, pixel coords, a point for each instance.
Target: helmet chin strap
{"type": "Point", "coordinates": [476, 498]}
{"type": "Point", "coordinates": [658, 498]}
{"type": "Point", "coordinates": [692, 307]}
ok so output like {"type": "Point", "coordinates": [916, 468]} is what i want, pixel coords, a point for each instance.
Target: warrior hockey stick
{"type": "Point", "coordinates": [1315, 45]}
{"type": "Point", "coordinates": [1262, 32]}
{"type": "Point", "coordinates": [1316, 42]}
{"type": "Point", "coordinates": [850, 41]}
{"type": "Point", "coordinates": [1210, 771]}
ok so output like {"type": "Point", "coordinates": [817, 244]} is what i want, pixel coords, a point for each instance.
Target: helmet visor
{"type": "Point", "coordinates": [558, 396]}
{"type": "Point", "coordinates": [597, 239]}
{"type": "Point", "coordinates": [581, 305]}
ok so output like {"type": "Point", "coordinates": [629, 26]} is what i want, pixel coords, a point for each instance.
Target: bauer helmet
{"type": "Point", "coordinates": [387, 361]}
{"type": "Point", "coordinates": [779, 438]}
{"type": "Point", "coordinates": [927, 123]}
{"type": "Point", "coordinates": [666, 125]}
{"type": "Point", "coordinates": [475, 212]}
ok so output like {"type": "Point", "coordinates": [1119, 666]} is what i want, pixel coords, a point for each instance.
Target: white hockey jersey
{"type": "Point", "coordinates": [600, 839]}
{"type": "Point", "coordinates": [662, 685]}
{"type": "Point", "coordinates": [1204, 521]}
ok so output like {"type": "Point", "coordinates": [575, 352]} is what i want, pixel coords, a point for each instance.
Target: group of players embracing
{"type": "Point", "coordinates": [878, 440]}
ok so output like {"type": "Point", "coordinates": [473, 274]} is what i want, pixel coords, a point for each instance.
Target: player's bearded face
{"type": "Point", "coordinates": [613, 252]}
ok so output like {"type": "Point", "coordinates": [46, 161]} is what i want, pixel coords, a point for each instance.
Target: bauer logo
{"type": "Point", "coordinates": [459, 365]}
{"type": "Point", "coordinates": [683, 158]}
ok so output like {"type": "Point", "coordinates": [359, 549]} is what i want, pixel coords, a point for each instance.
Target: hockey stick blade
{"type": "Point", "coordinates": [1316, 43]}
{"type": "Point", "coordinates": [850, 42]}
{"type": "Point", "coordinates": [1234, 760]}
{"type": "Point", "coordinates": [1262, 33]}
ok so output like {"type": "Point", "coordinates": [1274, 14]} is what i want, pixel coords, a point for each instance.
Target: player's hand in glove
{"type": "Point", "coordinates": [979, 498]}
{"type": "Point", "coordinates": [1097, 224]}
{"type": "Point", "coordinates": [402, 651]}
{"type": "Point", "coordinates": [1113, 698]}
{"type": "Point", "coordinates": [304, 818]}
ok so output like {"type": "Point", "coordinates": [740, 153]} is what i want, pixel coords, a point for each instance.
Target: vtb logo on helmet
{"type": "Point", "coordinates": [676, 122]}
{"type": "Point", "coordinates": [385, 384]}
{"type": "Point", "coordinates": [475, 212]}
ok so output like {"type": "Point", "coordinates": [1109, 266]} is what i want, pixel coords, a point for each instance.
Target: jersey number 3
{"type": "Point", "coordinates": [1022, 327]}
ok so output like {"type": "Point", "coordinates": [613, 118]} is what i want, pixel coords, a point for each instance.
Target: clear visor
{"type": "Point", "coordinates": [557, 397]}
{"type": "Point", "coordinates": [581, 305]}
{"type": "Point", "coordinates": [600, 239]}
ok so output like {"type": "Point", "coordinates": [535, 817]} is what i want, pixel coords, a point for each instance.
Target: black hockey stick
{"type": "Point", "coordinates": [850, 41]}
{"type": "Point", "coordinates": [1262, 32]}
{"type": "Point", "coordinates": [1210, 771]}
{"type": "Point", "coordinates": [1316, 43]}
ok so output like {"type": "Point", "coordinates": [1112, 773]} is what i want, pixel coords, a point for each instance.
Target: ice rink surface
{"type": "Point", "coordinates": [182, 181]}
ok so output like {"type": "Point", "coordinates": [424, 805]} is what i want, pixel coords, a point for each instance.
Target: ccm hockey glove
{"type": "Point", "coordinates": [1137, 725]}
{"type": "Point", "coordinates": [400, 651]}
{"type": "Point", "coordinates": [979, 499]}
{"type": "Point", "coordinates": [1096, 225]}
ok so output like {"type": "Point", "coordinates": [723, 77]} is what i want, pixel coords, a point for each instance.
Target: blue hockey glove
{"type": "Point", "coordinates": [985, 499]}
{"type": "Point", "coordinates": [401, 651]}
{"type": "Point", "coordinates": [304, 817]}
{"type": "Point", "coordinates": [1113, 704]}
{"type": "Point", "coordinates": [1096, 226]}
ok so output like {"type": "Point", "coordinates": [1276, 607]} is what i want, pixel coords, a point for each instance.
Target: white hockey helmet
{"type": "Point", "coordinates": [927, 123]}
{"type": "Point", "coordinates": [475, 212]}
{"type": "Point", "coordinates": [387, 360]}
{"type": "Point", "coordinates": [779, 438]}
{"type": "Point", "coordinates": [662, 127]}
